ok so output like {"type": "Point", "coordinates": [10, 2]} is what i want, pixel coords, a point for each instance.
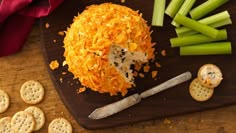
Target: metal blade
{"type": "Point", "coordinates": [167, 84]}
{"type": "Point", "coordinates": [115, 107]}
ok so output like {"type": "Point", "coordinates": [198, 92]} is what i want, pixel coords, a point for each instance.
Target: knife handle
{"type": "Point", "coordinates": [167, 84]}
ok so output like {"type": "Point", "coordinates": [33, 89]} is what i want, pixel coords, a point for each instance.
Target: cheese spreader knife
{"type": "Point", "coordinates": [113, 108]}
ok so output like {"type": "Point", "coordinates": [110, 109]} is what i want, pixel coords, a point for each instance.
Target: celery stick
{"type": "Point", "coordinates": [184, 31]}
{"type": "Point", "coordinates": [215, 21]}
{"type": "Point", "coordinates": [184, 10]}
{"type": "Point", "coordinates": [173, 7]}
{"type": "Point", "coordinates": [205, 8]}
{"type": "Point", "coordinates": [215, 18]}
{"type": "Point", "coordinates": [197, 26]}
{"type": "Point", "coordinates": [207, 49]}
{"type": "Point", "coordinates": [158, 12]}
{"type": "Point", "coordinates": [221, 23]}
{"type": "Point", "coordinates": [197, 39]}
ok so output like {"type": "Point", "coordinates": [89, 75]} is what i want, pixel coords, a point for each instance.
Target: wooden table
{"type": "Point", "coordinates": [30, 64]}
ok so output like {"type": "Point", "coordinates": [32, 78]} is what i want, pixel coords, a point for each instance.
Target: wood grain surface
{"type": "Point", "coordinates": [168, 103]}
{"type": "Point", "coordinates": [30, 64]}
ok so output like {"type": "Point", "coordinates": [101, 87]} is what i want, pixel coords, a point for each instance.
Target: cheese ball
{"type": "Point", "coordinates": [102, 44]}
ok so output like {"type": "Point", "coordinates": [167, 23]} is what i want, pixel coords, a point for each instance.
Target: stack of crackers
{"type": "Point", "coordinates": [32, 118]}
{"type": "Point", "coordinates": [209, 77]}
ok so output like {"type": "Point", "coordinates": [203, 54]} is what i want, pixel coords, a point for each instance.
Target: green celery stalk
{"type": "Point", "coordinates": [217, 48]}
{"type": "Point", "coordinates": [197, 26]}
{"type": "Point", "coordinates": [221, 23]}
{"type": "Point", "coordinates": [215, 21]}
{"type": "Point", "coordinates": [158, 12]}
{"type": "Point", "coordinates": [173, 7]}
{"type": "Point", "coordinates": [184, 10]}
{"type": "Point", "coordinates": [197, 39]}
{"type": "Point", "coordinates": [205, 8]}
{"type": "Point", "coordinates": [184, 31]}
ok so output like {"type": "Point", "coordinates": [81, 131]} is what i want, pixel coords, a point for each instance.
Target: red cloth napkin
{"type": "Point", "coordinates": [16, 20]}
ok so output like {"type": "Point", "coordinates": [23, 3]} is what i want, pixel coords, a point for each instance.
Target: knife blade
{"type": "Point", "coordinates": [113, 108]}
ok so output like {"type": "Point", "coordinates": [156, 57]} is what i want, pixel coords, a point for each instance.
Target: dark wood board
{"type": "Point", "coordinates": [171, 102]}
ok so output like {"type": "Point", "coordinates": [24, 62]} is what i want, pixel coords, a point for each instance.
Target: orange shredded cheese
{"type": "Point", "coordinates": [60, 79]}
{"type": "Point", "coordinates": [47, 25]}
{"type": "Point", "coordinates": [54, 65]}
{"type": "Point", "coordinates": [158, 65]}
{"type": "Point", "coordinates": [135, 73]}
{"type": "Point", "coordinates": [63, 63]}
{"type": "Point", "coordinates": [141, 75]}
{"type": "Point", "coordinates": [88, 40]}
{"type": "Point", "coordinates": [137, 67]}
{"type": "Point", "coordinates": [154, 74]}
{"type": "Point", "coordinates": [64, 73]}
{"type": "Point", "coordinates": [166, 121]}
{"type": "Point", "coordinates": [61, 33]}
{"type": "Point", "coordinates": [146, 68]}
{"type": "Point", "coordinates": [163, 53]}
{"type": "Point", "coordinates": [82, 89]}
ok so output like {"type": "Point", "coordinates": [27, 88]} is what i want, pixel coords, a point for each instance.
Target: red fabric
{"type": "Point", "coordinates": [16, 20]}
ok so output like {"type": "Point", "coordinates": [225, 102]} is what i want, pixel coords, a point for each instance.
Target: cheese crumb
{"type": "Point", "coordinates": [61, 33]}
{"type": "Point", "coordinates": [146, 68]}
{"type": "Point", "coordinates": [137, 66]}
{"type": "Point", "coordinates": [163, 53]}
{"type": "Point", "coordinates": [122, 1]}
{"type": "Point", "coordinates": [47, 25]}
{"type": "Point", "coordinates": [141, 75]}
{"type": "Point", "coordinates": [135, 73]}
{"type": "Point", "coordinates": [80, 90]}
{"type": "Point", "coordinates": [154, 74]}
{"type": "Point", "coordinates": [54, 65]}
{"type": "Point", "coordinates": [166, 121]}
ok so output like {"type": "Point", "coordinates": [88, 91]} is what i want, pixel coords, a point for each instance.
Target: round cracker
{"type": "Point", "coordinates": [199, 92]}
{"type": "Point", "coordinates": [38, 115]}
{"type": "Point", "coordinates": [23, 122]}
{"type": "Point", "coordinates": [4, 101]}
{"type": "Point", "coordinates": [210, 75]}
{"type": "Point", "coordinates": [60, 125]}
{"type": "Point", "coordinates": [5, 125]}
{"type": "Point", "coordinates": [32, 92]}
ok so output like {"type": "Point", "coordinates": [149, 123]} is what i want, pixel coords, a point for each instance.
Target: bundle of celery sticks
{"type": "Point", "coordinates": [197, 34]}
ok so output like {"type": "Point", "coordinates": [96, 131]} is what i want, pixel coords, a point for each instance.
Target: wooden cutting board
{"type": "Point", "coordinates": [171, 102]}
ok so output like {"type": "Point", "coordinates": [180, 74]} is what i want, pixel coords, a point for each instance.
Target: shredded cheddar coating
{"type": "Point", "coordinates": [88, 40]}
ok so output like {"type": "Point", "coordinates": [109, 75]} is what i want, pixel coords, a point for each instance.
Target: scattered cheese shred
{"type": "Point", "coordinates": [158, 65]}
{"type": "Point", "coordinates": [64, 63]}
{"type": "Point", "coordinates": [61, 33]}
{"type": "Point", "coordinates": [154, 74]}
{"type": "Point", "coordinates": [47, 25]}
{"type": "Point", "coordinates": [166, 121]}
{"type": "Point", "coordinates": [82, 89]}
{"type": "Point", "coordinates": [60, 79]}
{"type": "Point", "coordinates": [137, 66]}
{"type": "Point", "coordinates": [163, 53]}
{"type": "Point", "coordinates": [146, 68]}
{"type": "Point", "coordinates": [141, 75]}
{"type": "Point", "coordinates": [54, 65]}
{"type": "Point", "coordinates": [64, 73]}
{"type": "Point", "coordinates": [135, 73]}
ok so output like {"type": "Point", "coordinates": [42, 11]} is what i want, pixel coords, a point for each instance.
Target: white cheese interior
{"type": "Point", "coordinates": [122, 59]}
